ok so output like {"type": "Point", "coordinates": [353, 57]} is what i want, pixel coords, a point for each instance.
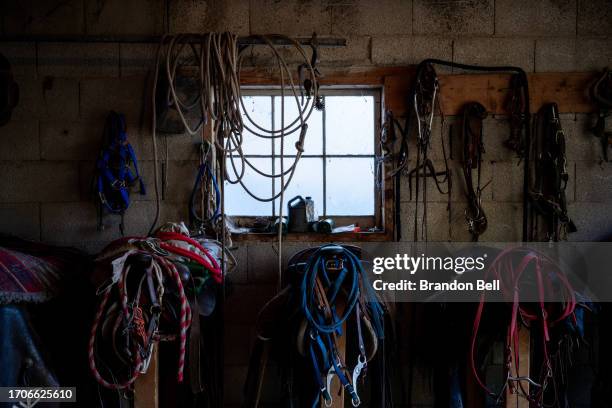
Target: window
{"type": "Point", "coordinates": [337, 167]}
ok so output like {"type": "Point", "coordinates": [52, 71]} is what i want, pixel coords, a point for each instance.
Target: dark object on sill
{"type": "Point", "coordinates": [325, 226]}
{"type": "Point", "coordinates": [601, 93]}
{"type": "Point", "coordinates": [300, 212]}
{"type": "Point", "coordinates": [282, 222]}
{"type": "Point", "coordinates": [9, 91]}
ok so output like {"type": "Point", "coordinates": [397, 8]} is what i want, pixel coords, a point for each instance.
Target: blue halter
{"type": "Point", "coordinates": [114, 174]}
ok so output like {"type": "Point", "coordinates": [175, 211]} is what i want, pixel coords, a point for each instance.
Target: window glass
{"type": "Point", "coordinates": [350, 186]}
{"type": "Point", "coordinates": [337, 166]}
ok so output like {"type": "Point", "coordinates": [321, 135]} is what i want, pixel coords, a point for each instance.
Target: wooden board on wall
{"type": "Point", "coordinates": [569, 90]}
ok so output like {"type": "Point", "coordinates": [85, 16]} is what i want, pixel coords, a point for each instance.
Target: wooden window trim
{"type": "Point", "coordinates": [367, 78]}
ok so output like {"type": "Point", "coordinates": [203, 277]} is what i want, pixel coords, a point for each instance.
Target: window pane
{"type": "Point", "coordinates": [350, 186]}
{"type": "Point", "coordinates": [349, 124]}
{"type": "Point", "coordinates": [259, 109]}
{"type": "Point", "coordinates": [313, 143]}
{"type": "Point", "coordinates": [307, 182]}
{"type": "Point", "coordinates": [238, 201]}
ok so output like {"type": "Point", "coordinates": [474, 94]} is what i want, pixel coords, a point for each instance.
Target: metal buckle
{"type": "Point", "coordinates": [118, 184]}
{"type": "Point", "coordinates": [334, 264]}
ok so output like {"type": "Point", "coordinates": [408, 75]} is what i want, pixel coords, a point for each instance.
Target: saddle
{"type": "Point", "coordinates": [151, 294]}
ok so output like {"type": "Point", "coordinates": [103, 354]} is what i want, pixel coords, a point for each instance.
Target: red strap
{"type": "Point", "coordinates": [211, 264]}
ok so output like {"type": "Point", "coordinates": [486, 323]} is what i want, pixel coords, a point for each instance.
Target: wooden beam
{"type": "Point", "coordinates": [146, 387]}
{"type": "Point", "coordinates": [569, 90]}
{"type": "Point", "coordinates": [514, 400]}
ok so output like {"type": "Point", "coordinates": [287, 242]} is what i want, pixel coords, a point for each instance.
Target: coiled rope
{"type": "Point", "coordinates": [219, 65]}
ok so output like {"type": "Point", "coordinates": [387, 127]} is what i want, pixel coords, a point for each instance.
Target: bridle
{"type": "Point", "coordinates": [511, 267]}
{"type": "Point", "coordinates": [550, 177]}
{"type": "Point", "coordinates": [426, 100]}
{"type": "Point", "coordinates": [473, 148]}
{"type": "Point", "coordinates": [601, 93]}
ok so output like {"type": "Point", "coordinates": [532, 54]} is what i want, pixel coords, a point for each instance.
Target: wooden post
{"type": "Point", "coordinates": [524, 365]}
{"type": "Point", "coordinates": [146, 387]}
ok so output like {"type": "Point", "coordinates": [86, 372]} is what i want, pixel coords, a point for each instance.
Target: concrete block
{"type": "Point", "coordinates": [505, 222]}
{"type": "Point", "coordinates": [117, 17]}
{"type": "Point", "coordinates": [592, 221]}
{"type": "Point", "coordinates": [409, 50]}
{"type": "Point", "coordinates": [263, 263]}
{"type": "Point", "coordinates": [581, 143]}
{"type": "Point", "coordinates": [454, 17]}
{"type": "Point", "coordinates": [542, 18]}
{"type": "Point", "coordinates": [78, 60]}
{"type": "Point", "coordinates": [567, 55]}
{"type": "Point", "coordinates": [593, 182]}
{"type": "Point", "coordinates": [38, 181]}
{"type": "Point", "coordinates": [181, 177]}
{"type": "Point", "coordinates": [363, 17]}
{"type": "Point", "coordinates": [356, 52]}
{"type": "Point", "coordinates": [170, 212]}
{"type": "Point", "coordinates": [593, 54]}
{"type": "Point", "coordinates": [292, 17]}
{"type": "Point", "coordinates": [21, 220]}
{"type": "Point", "coordinates": [495, 51]}
{"type": "Point", "coordinates": [508, 181]}
{"type": "Point", "coordinates": [68, 223]}
{"type": "Point", "coordinates": [19, 141]}
{"type": "Point", "coordinates": [555, 55]}
{"type": "Point", "coordinates": [594, 17]}
{"type": "Point", "coordinates": [182, 147]}
{"type": "Point", "coordinates": [22, 57]}
{"type": "Point", "coordinates": [202, 16]}
{"type": "Point", "coordinates": [70, 140]}
{"type": "Point", "coordinates": [47, 98]}
{"type": "Point", "coordinates": [76, 223]}
{"type": "Point", "coordinates": [137, 59]}
{"type": "Point", "coordinates": [438, 229]}
{"type": "Point", "coordinates": [43, 17]}
{"type": "Point", "coordinates": [124, 95]}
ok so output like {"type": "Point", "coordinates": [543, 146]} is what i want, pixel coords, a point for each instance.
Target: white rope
{"type": "Point", "coordinates": [219, 65]}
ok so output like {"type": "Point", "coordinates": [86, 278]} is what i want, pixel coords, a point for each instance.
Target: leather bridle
{"type": "Point", "coordinates": [473, 148]}
{"type": "Point", "coordinates": [601, 93]}
{"type": "Point", "coordinates": [550, 178]}
{"type": "Point", "coordinates": [512, 267]}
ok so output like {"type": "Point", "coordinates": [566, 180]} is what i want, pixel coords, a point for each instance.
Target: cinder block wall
{"type": "Point", "coordinates": [47, 151]}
